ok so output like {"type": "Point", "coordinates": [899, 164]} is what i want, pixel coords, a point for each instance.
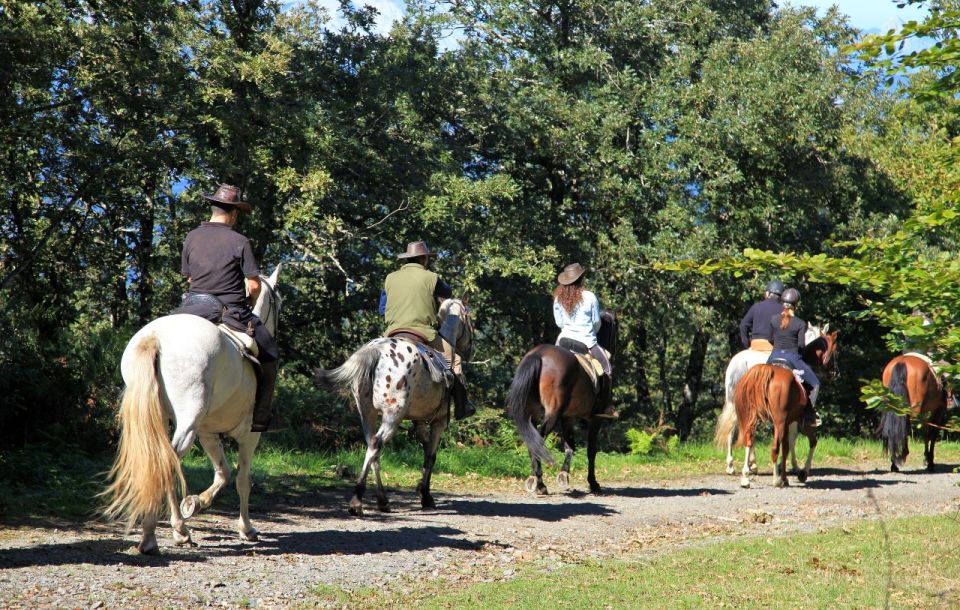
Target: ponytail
{"type": "Point", "coordinates": [786, 315]}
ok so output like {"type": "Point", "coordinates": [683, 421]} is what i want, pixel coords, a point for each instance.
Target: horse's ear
{"type": "Point", "coordinates": [826, 328]}
{"type": "Point", "coordinates": [275, 275]}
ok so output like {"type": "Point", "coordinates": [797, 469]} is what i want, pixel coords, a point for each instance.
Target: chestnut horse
{"type": "Point", "coordinates": [912, 378]}
{"type": "Point", "coordinates": [550, 386]}
{"type": "Point", "coordinates": [819, 352]}
{"type": "Point", "coordinates": [771, 393]}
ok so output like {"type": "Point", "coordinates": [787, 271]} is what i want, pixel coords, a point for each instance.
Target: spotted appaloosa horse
{"type": "Point", "coordinates": [912, 378]}
{"type": "Point", "coordinates": [550, 386]}
{"type": "Point", "coordinates": [819, 353]}
{"type": "Point", "coordinates": [182, 368]}
{"type": "Point", "coordinates": [390, 376]}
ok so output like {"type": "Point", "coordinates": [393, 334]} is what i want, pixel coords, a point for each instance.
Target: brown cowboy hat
{"type": "Point", "coordinates": [415, 249]}
{"type": "Point", "coordinates": [228, 195]}
{"type": "Point", "coordinates": [570, 274]}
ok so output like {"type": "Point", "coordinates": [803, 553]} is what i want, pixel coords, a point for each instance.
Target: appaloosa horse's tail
{"type": "Point", "coordinates": [147, 469]}
{"type": "Point", "coordinates": [357, 371]}
{"type": "Point", "coordinates": [893, 427]}
{"type": "Point", "coordinates": [526, 387]}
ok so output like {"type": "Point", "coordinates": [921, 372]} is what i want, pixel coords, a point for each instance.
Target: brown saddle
{"type": "Point", "coordinates": [786, 364]}
{"type": "Point", "coordinates": [409, 335]}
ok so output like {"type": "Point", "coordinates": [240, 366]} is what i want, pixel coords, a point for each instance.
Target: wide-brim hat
{"type": "Point", "coordinates": [415, 249]}
{"type": "Point", "coordinates": [228, 195]}
{"type": "Point", "coordinates": [570, 274]}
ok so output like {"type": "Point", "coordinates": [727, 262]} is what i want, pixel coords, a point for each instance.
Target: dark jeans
{"type": "Point", "coordinates": [797, 362]}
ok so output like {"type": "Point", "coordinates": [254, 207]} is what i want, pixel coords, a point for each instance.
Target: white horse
{"type": "Point", "coordinates": [393, 377]}
{"type": "Point", "coordinates": [740, 364]}
{"type": "Point", "coordinates": [182, 368]}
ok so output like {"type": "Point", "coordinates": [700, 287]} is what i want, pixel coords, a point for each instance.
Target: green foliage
{"type": "Point", "coordinates": [643, 442]}
{"type": "Point", "coordinates": [618, 134]}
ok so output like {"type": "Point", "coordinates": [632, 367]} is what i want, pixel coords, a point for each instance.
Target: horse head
{"type": "Point", "coordinates": [821, 348]}
{"type": "Point", "coordinates": [456, 326]}
{"type": "Point", "coordinates": [267, 307]}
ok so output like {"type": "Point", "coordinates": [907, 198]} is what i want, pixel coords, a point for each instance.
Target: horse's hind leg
{"type": "Point", "coordinates": [733, 432]}
{"type": "Point", "coordinates": [778, 455]}
{"type": "Point", "coordinates": [375, 444]}
{"type": "Point", "coordinates": [430, 439]}
{"type": "Point", "coordinates": [930, 440]}
{"type": "Point", "coordinates": [569, 446]}
{"type": "Point", "coordinates": [246, 444]}
{"type": "Point", "coordinates": [804, 474]}
{"type": "Point", "coordinates": [592, 434]}
{"type": "Point", "coordinates": [535, 482]}
{"type": "Point", "coordinates": [745, 472]}
{"type": "Point", "coordinates": [193, 504]}
{"type": "Point", "coordinates": [793, 430]}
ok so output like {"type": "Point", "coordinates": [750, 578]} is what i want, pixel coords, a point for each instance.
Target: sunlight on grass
{"type": "Point", "coordinates": [867, 566]}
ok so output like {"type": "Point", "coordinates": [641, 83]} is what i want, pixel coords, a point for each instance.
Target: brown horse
{"type": "Point", "coordinates": [551, 387]}
{"type": "Point", "coordinates": [913, 379]}
{"type": "Point", "coordinates": [771, 393]}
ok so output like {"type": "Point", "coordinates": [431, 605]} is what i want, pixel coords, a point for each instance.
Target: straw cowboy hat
{"type": "Point", "coordinates": [227, 195]}
{"type": "Point", "coordinates": [570, 274]}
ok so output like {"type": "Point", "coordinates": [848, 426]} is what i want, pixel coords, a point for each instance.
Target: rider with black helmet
{"type": "Point", "coordinates": [789, 338]}
{"type": "Point", "coordinates": [755, 326]}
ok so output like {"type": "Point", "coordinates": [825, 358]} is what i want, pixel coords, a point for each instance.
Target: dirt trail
{"type": "Point", "coordinates": [467, 538]}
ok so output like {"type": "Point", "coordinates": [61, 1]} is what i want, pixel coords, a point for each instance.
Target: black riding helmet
{"type": "Point", "coordinates": [790, 296]}
{"type": "Point", "coordinates": [775, 287]}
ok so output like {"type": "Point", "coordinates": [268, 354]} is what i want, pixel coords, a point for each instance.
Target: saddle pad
{"type": "Point", "coordinates": [591, 367]}
{"type": "Point", "coordinates": [242, 340]}
{"type": "Point", "coordinates": [440, 371]}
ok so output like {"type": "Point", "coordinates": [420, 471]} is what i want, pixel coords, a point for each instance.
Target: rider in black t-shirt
{"type": "Point", "coordinates": [755, 325]}
{"type": "Point", "coordinates": [220, 262]}
{"type": "Point", "coordinates": [789, 339]}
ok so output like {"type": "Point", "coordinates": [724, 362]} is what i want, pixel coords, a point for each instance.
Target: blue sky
{"type": "Point", "coordinates": [872, 16]}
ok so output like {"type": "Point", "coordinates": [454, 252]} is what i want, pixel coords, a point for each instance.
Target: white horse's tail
{"type": "Point", "coordinates": [147, 469]}
{"type": "Point", "coordinates": [725, 424]}
{"type": "Point", "coordinates": [357, 371]}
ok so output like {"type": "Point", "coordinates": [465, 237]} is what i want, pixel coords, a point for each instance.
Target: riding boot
{"type": "Point", "coordinates": [461, 406]}
{"type": "Point", "coordinates": [262, 408]}
{"type": "Point", "coordinates": [604, 405]}
{"type": "Point", "coordinates": [811, 419]}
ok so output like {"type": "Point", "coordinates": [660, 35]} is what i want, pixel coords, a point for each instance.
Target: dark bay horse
{"type": "Point", "coordinates": [551, 387]}
{"type": "Point", "coordinates": [912, 378]}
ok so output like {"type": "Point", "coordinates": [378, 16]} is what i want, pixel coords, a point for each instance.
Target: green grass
{"type": "Point", "coordinates": [903, 563]}
{"type": "Point", "coordinates": [41, 481]}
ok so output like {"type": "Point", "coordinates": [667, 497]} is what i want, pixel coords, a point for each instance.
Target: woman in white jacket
{"type": "Point", "coordinates": [576, 311]}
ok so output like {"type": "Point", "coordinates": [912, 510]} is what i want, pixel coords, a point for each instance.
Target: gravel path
{"type": "Point", "coordinates": [477, 537]}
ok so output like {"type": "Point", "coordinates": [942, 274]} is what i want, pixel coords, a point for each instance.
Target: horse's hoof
{"type": "Point", "coordinates": [356, 508]}
{"type": "Point", "coordinates": [754, 469]}
{"type": "Point", "coordinates": [893, 468]}
{"type": "Point", "coordinates": [149, 548]}
{"type": "Point", "coordinates": [731, 469]}
{"type": "Point", "coordinates": [183, 539]}
{"type": "Point", "coordinates": [563, 480]}
{"type": "Point", "coordinates": [802, 476]}
{"type": "Point", "coordinates": [931, 468]}
{"type": "Point", "coordinates": [745, 482]}
{"type": "Point", "coordinates": [383, 507]}
{"type": "Point", "coordinates": [596, 489]}
{"type": "Point", "coordinates": [530, 484]}
{"type": "Point", "coordinates": [188, 506]}
{"type": "Point", "coordinates": [427, 502]}
{"type": "Point", "coordinates": [542, 491]}
{"type": "Point", "coordinates": [251, 536]}
{"type": "Point", "coordinates": [780, 483]}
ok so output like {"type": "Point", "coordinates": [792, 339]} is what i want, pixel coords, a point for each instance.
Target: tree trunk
{"type": "Point", "coordinates": [692, 379]}
{"type": "Point", "coordinates": [644, 402]}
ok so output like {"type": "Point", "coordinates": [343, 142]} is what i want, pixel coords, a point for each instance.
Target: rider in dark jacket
{"type": "Point", "coordinates": [789, 339]}
{"type": "Point", "coordinates": [755, 326]}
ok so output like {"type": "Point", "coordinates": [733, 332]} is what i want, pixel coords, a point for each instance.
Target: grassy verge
{"type": "Point", "coordinates": [903, 563]}
{"type": "Point", "coordinates": [43, 481]}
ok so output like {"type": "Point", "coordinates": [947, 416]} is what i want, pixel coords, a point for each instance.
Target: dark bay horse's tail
{"type": "Point", "coordinates": [893, 427]}
{"type": "Point", "coordinates": [526, 387]}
